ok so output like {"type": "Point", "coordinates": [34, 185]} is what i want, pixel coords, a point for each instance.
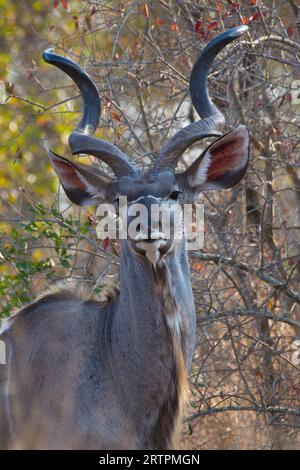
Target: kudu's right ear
{"type": "Point", "coordinates": [83, 185]}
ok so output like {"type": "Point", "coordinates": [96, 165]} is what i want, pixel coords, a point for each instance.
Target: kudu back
{"type": "Point", "coordinates": [86, 374]}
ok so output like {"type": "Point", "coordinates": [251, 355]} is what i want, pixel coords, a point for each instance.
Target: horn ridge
{"type": "Point", "coordinates": [212, 120]}
{"type": "Point", "coordinates": [81, 139]}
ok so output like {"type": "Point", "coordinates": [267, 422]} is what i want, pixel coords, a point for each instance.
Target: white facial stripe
{"type": "Point", "coordinates": [144, 197]}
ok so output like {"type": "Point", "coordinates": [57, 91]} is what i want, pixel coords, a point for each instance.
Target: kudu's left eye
{"type": "Point", "coordinates": [175, 195]}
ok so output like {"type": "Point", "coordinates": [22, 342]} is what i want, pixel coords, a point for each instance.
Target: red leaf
{"type": "Point", "coordinates": [106, 244]}
{"type": "Point", "coordinates": [244, 20]}
{"type": "Point", "coordinates": [174, 27]}
{"type": "Point", "coordinates": [55, 3]}
{"type": "Point", "coordinates": [115, 116]}
{"type": "Point", "coordinates": [145, 10]}
{"type": "Point", "coordinates": [235, 5]}
{"type": "Point", "coordinates": [219, 7]}
{"type": "Point", "coordinates": [290, 30]}
{"type": "Point", "coordinates": [159, 22]}
{"type": "Point", "coordinates": [64, 4]}
{"type": "Point", "coordinates": [198, 266]}
{"type": "Point", "coordinates": [213, 25]}
{"type": "Point", "coordinates": [254, 17]}
{"type": "Point", "coordinates": [198, 26]}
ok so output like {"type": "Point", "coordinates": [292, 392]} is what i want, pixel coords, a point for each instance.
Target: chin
{"type": "Point", "coordinates": [153, 250]}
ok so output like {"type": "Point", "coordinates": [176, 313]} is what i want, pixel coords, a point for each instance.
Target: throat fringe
{"type": "Point", "coordinates": [174, 321]}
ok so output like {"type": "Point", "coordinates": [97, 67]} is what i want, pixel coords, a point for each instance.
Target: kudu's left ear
{"type": "Point", "coordinates": [221, 165]}
{"type": "Point", "coordinates": [85, 186]}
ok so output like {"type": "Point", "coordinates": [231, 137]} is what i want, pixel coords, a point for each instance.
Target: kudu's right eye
{"type": "Point", "coordinates": [175, 195]}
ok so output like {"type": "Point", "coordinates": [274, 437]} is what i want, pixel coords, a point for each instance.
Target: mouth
{"type": "Point", "coordinates": [153, 247]}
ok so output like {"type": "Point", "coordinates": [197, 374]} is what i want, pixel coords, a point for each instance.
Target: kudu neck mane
{"type": "Point", "coordinates": [167, 300]}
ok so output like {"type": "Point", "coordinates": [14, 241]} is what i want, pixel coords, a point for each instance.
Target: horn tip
{"type": "Point", "coordinates": [237, 32]}
{"type": "Point", "coordinates": [47, 54]}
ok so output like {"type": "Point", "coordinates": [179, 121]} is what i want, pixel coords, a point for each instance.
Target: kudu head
{"type": "Point", "coordinates": [220, 166]}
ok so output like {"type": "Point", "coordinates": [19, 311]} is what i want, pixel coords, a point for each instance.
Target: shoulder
{"type": "Point", "coordinates": [65, 299]}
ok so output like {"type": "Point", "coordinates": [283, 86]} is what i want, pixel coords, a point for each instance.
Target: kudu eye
{"type": "Point", "coordinates": [175, 195]}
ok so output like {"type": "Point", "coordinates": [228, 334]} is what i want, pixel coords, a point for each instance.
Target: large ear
{"type": "Point", "coordinates": [222, 164]}
{"type": "Point", "coordinates": [83, 185]}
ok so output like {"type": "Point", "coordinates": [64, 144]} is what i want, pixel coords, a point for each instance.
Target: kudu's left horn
{"type": "Point", "coordinates": [81, 139]}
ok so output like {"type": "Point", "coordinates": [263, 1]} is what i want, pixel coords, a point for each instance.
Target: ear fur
{"type": "Point", "coordinates": [82, 184]}
{"type": "Point", "coordinates": [222, 164]}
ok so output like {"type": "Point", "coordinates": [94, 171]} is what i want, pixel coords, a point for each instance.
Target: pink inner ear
{"type": "Point", "coordinates": [227, 155]}
{"type": "Point", "coordinates": [68, 174]}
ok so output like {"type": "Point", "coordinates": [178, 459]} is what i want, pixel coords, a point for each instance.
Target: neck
{"type": "Point", "coordinates": [153, 336]}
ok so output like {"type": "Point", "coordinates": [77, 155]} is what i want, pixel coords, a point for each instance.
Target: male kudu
{"type": "Point", "coordinates": [81, 374]}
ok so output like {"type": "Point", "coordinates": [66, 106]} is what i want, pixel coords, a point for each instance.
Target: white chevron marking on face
{"type": "Point", "coordinates": [144, 197]}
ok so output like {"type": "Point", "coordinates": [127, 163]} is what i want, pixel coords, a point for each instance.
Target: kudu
{"type": "Point", "coordinates": [82, 374]}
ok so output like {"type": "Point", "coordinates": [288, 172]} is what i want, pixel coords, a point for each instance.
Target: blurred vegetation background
{"type": "Point", "coordinates": [245, 377]}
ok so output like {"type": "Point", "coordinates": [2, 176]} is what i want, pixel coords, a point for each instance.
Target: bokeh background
{"type": "Point", "coordinates": [245, 384]}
